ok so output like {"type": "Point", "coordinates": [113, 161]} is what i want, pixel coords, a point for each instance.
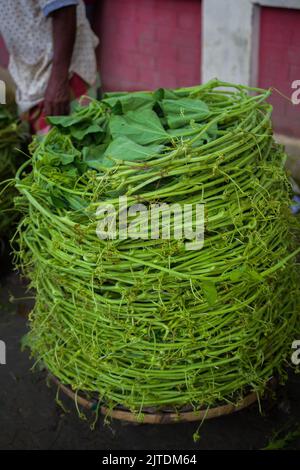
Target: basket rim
{"type": "Point", "coordinates": [160, 417]}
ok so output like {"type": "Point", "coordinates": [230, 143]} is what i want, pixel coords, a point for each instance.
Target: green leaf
{"type": "Point", "coordinates": [80, 133]}
{"type": "Point", "coordinates": [72, 172]}
{"type": "Point", "coordinates": [66, 158]}
{"type": "Point", "coordinates": [130, 102]}
{"type": "Point", "coordinates": [122, 148]}
{"type": "Point", "coordinates": [143, 127]}
{"type": "Point", "coordinates": [237, 274]}
{"type": "Point", "coordinates": [57, 158]}
{"type": "Point", "coordinates": [112, 94]}
{"type": "Point", "coordinates": [58, 202]}
{"type": "Point", "coordinates": [60, 150]}
{"type": "Point", "coordinates": [66, 121]}
{"type": "Point", "coordinates": [125, 149]}
{"type": "Point", "coordinates": [245, 272]}
{"type": "Point", "coordinates": [76, 203]}
{"type": "Point", "coordinates": [93, 156]}
{"type": "Point", "coordinates": [164, 93]}
{"type": "Point", "coordinates": [209, 291]}
{"type": "Point", "coordinates": [180, 112]}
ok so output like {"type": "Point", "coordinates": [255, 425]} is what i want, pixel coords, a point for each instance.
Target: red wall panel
{"type": "Point", "coordinates": [147, 44]}
{"type": "Point", "coordinates": [279, 64]}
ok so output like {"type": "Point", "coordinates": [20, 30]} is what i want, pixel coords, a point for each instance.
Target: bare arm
{"type": "Point", "coordinates": [57, 96]}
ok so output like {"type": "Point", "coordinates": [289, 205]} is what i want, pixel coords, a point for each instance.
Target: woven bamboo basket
{"type": "Point", "coordinates": [153, 417]}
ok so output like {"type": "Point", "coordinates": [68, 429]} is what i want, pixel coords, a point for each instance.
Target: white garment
{"type": "Point", "coordinates": [27, 33]}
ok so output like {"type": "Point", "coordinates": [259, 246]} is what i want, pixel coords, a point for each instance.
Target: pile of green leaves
{"type": "Point", "coordinates": [12, 135]}
{"type": "Point", "coordinates": [146, 323]}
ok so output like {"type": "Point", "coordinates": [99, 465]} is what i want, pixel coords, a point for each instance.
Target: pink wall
{"type": "Point", "coordinates": [147, 44]}
{"type": "Point", "coordinates": [279, 63]}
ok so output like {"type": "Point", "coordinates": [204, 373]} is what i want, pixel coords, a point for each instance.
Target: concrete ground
{"type": "Point", "coordinates": [30, 418]}
{"type": "Point", "coordinates": [292, 149]}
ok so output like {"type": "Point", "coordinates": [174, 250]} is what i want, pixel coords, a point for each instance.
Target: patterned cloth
{"type": "Point", "coordinates": [27, 31]}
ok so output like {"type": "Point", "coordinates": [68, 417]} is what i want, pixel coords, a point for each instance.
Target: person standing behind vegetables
{"type": "Point", "coordinates": [52, 55]}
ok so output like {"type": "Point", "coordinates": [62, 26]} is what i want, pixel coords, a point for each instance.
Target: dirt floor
{"type": "Point", "coordinates": [30, 418]}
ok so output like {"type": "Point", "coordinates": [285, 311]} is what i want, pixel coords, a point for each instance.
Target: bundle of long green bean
{"type": "Point", "coordinates": [12, 134]}
{"type": "Point", "coordinates": [147, 323]}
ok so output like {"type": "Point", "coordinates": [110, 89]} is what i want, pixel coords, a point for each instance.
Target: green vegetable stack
{"type": "Point", "coordinates": [146, 323]}
{"type": "Point", "coordinates": [11, 136]}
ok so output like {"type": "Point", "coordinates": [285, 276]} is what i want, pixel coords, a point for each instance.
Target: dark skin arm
{"type": "Point", "coordinates": [57, 96]}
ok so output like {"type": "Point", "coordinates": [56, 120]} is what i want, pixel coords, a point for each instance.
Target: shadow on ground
{"type": "Point", "coordinates": [30, 418]}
